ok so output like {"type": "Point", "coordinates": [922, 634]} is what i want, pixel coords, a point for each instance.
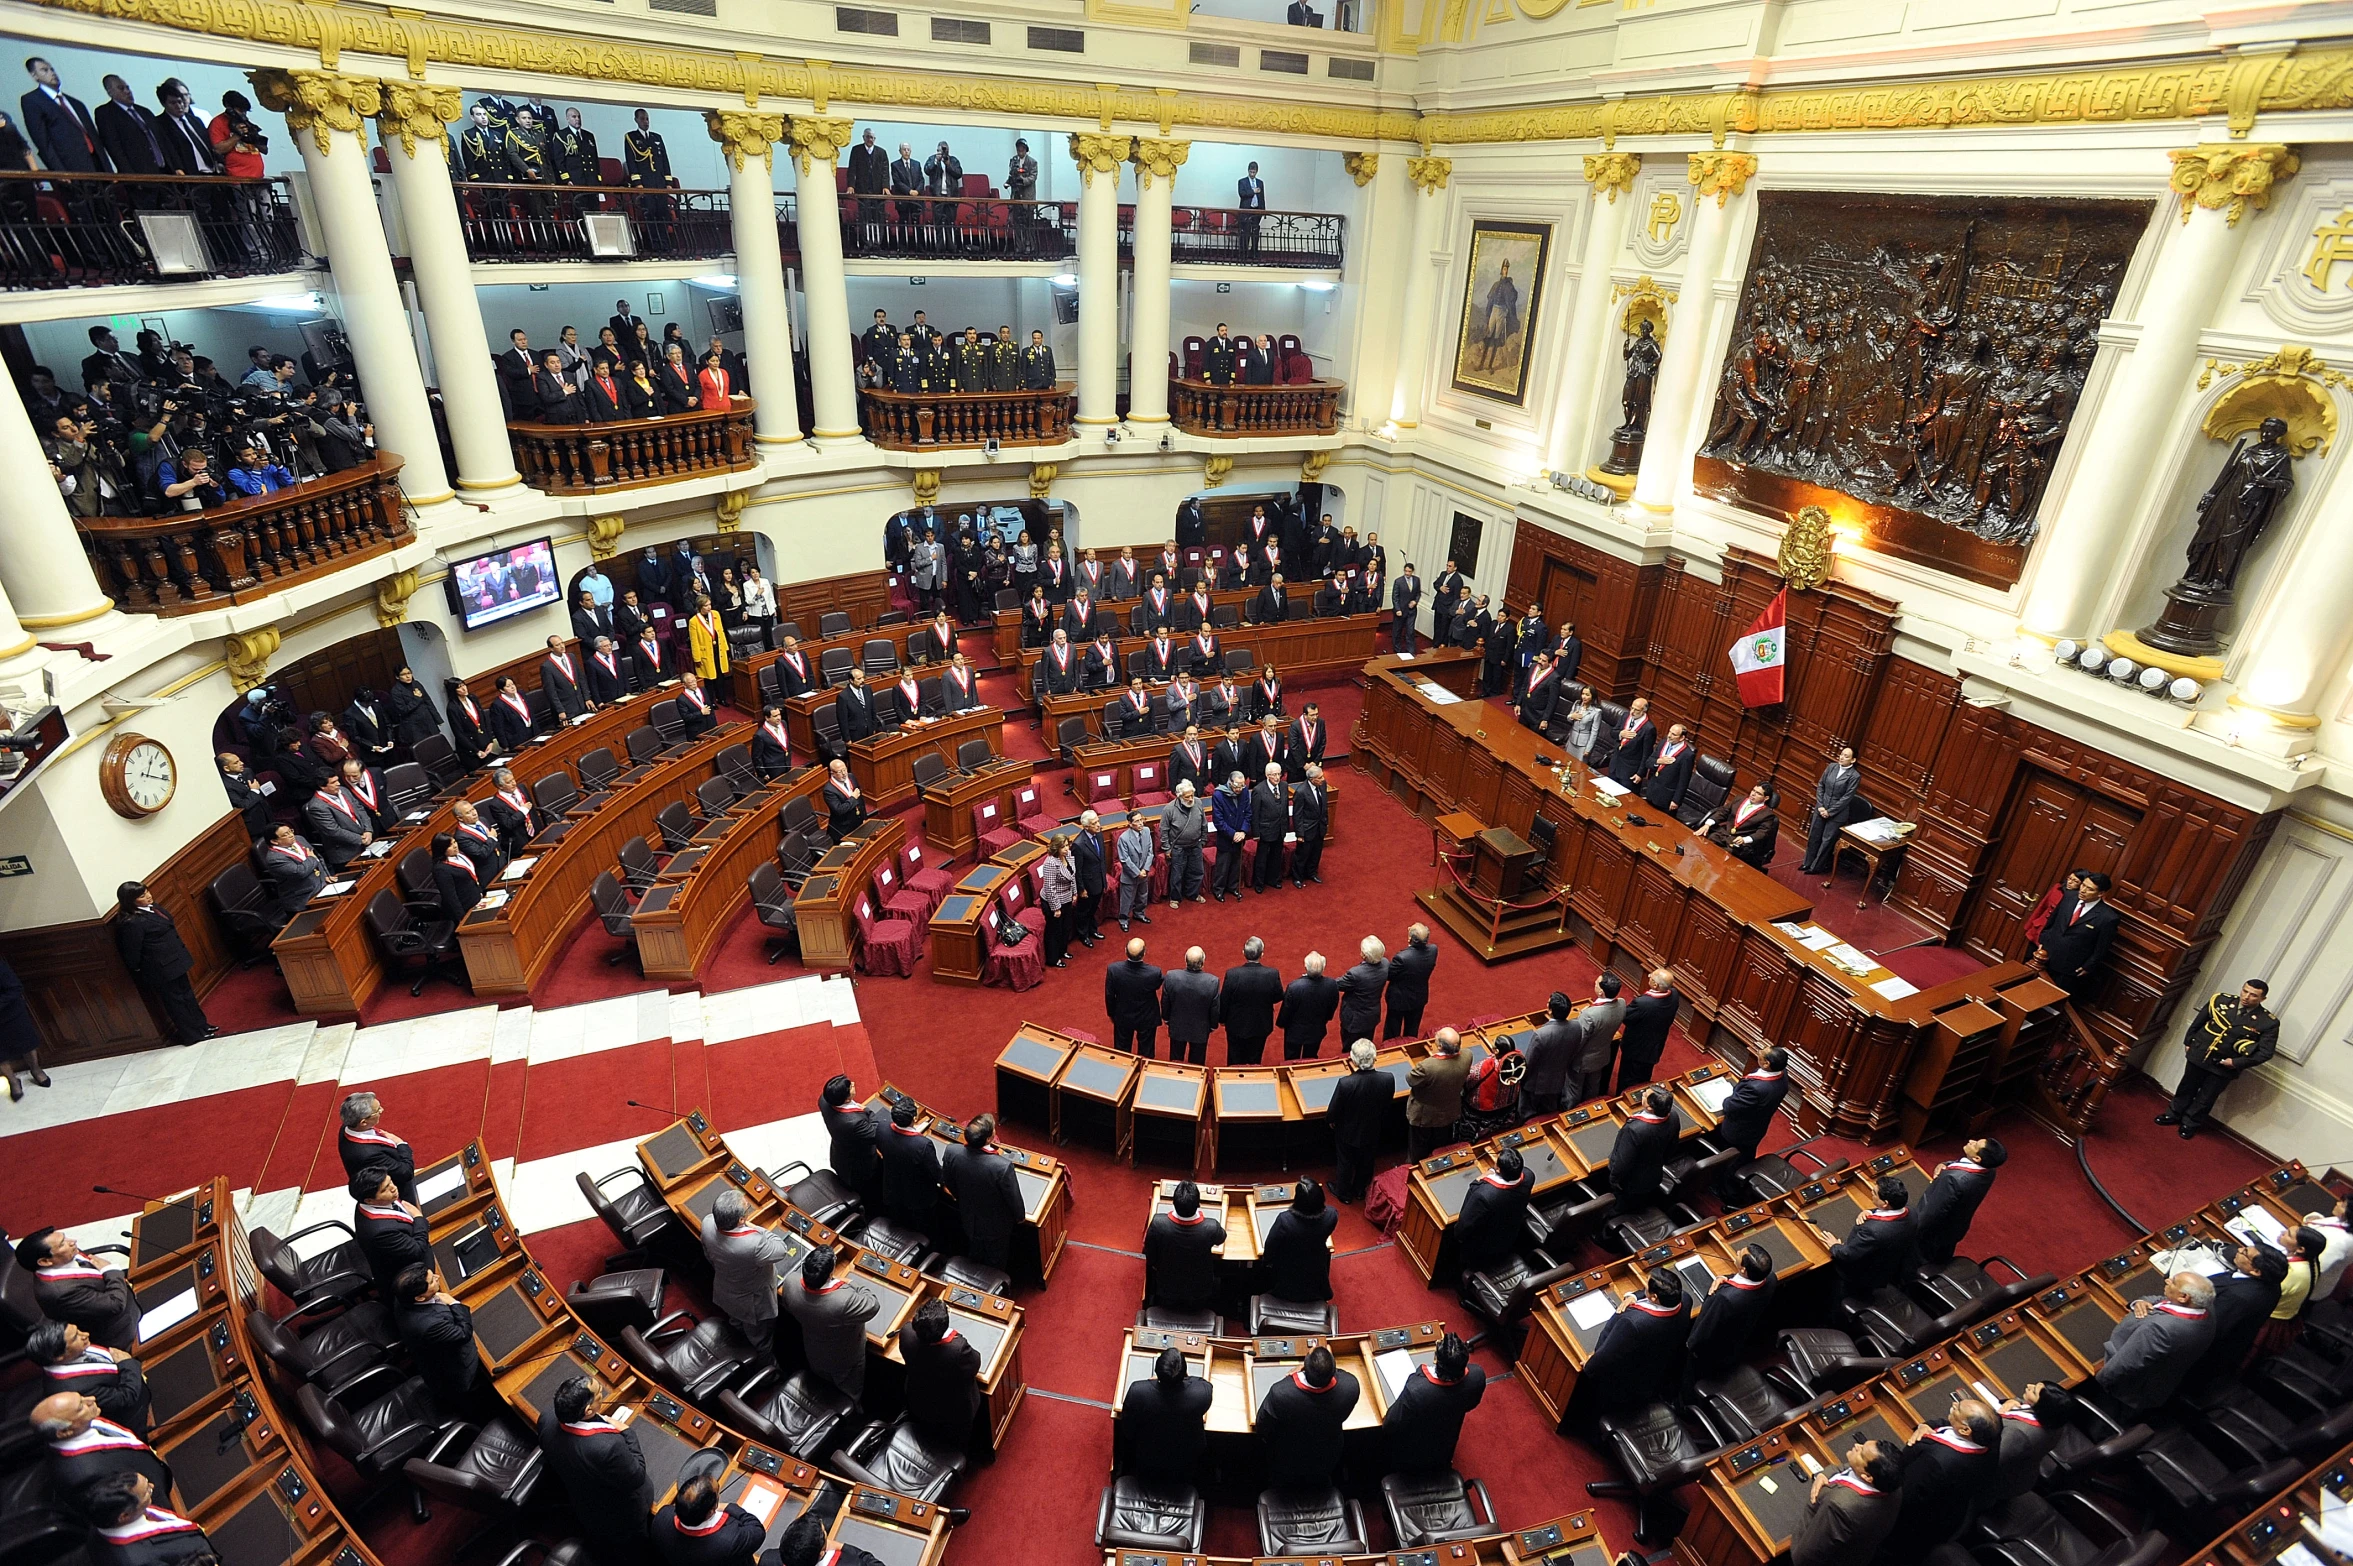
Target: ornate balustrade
{"type": "Point", "coordinates": [931, 421]}
{"type": "Point", "coordinates": [1301, 408]}
{"type": "Point", "coordinates": [64, 230]}
{"type": "Point", "coordinates": [256, 545]}
{"type": "Point", "coordinates": [554, 222]}
{"type": "Point", "coordinates": [1231, 236]}
{"type": "Point", "coordinates": [958, 228]}
{"type": "Point", "coordinates": [590, 459]}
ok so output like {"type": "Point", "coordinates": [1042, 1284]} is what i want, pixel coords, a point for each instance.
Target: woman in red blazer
{"type": "Point", "coordinates": [714, 382]}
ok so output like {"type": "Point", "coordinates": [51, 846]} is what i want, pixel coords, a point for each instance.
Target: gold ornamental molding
{"type": "Point", "coordinates": [745, 134]}
{"type": "Point", "coordinates": [2230, 178]}
{"type": "Point", "coordinates": [1215, 471]}
{"type": "Point", "coordinates": [1612, 173]}
{"type": "Point", "coordinates": [2291, 384]}
{"type": "Point", "coordinates": [1158, 157]}
{"type": "Point", "coordinates": [1098, 154]}
{"type": "Point", "coordinates": [248, 655]}
{"type": "Point", "coordinates": [1806, 544]}
{"type": "Point", "coordinates": [1429, 175]}
{"type": "Point", "coordinates": [728, 508]}
{"type": "Point", "coordinates": [1361, 166]}
{"type": "Point", "coordinates": [392, 598]}
{"type": "Point", "coordinates": [1722, 175]}
{"type": "Point", "coordinates": [819, 139]}
{"type": "Point", "coordinates": [926, 484]}
{"type": "Point", "coordinates": [414, 112]}
{"type": "Point", "coordinates": [320, 102]}
{"type": "Point", "coordinates": [1645, 301]}
{"type": "Point", "coordinates": [1041, 479]}
{"type": "Point", "coordinates": [604, 536]}
{"type": "Point", "coordinates": [1311, 466]}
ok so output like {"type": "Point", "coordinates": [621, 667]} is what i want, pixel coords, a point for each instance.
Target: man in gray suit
{"type": "Point", "coordinates": [1599, 1025]}
{"type": "Point", "coordinates": [743, 1260]}
{"type": "Point", "coordinates": [833, 1317]}
{"type": "Point", "coordinates": [927, 565]}
{"type": "Point", "coordinates": [1189, 1001]}
{"type": "Point", "coordinates": [2151, 1350]}
{"type": "Point", "coordinates": [1360, 992]}
{"type": "Point", "coordinates": [1554, 1056]}
{"type": "Point", "coordinates": [337, 823]}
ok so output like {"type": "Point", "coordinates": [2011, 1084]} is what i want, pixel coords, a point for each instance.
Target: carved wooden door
{"type": "Point", "coordinates": [2051, 827]}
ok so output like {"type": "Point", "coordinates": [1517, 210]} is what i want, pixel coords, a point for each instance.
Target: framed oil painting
{"type": "Point", "coordinates": [1500, 301]}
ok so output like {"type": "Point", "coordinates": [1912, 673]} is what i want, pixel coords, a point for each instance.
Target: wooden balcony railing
{"type": "Point", "coordinates": [552, 222]}
{"type": "Point", "coordinates": [67, 230]}
{"type": "Point", "coordinates": [589, 459]}
{"type": "Point", "coordinates": [254, 546]}
{"type": "Point", "coordinates": [930, 421]}
{"type": "Point", "coordinates": [1301, 408]}
{"type": "Point", "coordinates": [958, 228]}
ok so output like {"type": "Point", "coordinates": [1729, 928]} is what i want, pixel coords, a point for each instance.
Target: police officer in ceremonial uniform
{"type": "Point", "coordinates": [2228, 1037]}
{"type": "Point", "coordinates": [1004, 362]}
{"type": "Point", "coordinates": [1037, 363]}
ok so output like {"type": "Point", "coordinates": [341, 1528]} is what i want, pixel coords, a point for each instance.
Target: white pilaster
{"type": "Point", "coordinates": [2306, 633]}
{"type": "Point", "coordinates": [817, 143]}
{"type": "Point", "coordinates": [1156, 166]}
{"type": "Point", "coordinates": [1374, 280]}
{"type": "Point", "coordinates": [1422, 281]}
{"type": "Point", "coordinates": [750, 141]}
{"type": "Point", "coordinates": [1720, 179]}
{"type": "Point", "coordinates": [1609, 176]}
{"type": "Point", "coordinates": [43, 570]}
{"type": "Point", "coordinates": [1098, 158]}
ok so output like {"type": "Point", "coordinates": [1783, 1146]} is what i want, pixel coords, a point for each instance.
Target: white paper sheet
{"type": "Point", "coordinates": [2254, 1223]}
{"type": "Point", "coordinates": [167, 1315]}
{"type": "Point", "coordinates": [2296, 1555]}
{"type": "Point", "coordinates": [1796, 932]}
{"type": "Point", "coordinates": [1439, 696]}
{"type": "Point", "coordinates": [1816, 939]}
{"type": "Point", "coordinates": [1896, 989]}
{"type": "Point", "coordinates": [435, 1186]}
{"type": "Point", "coordinates": [336, 888]}
{"type": "Point", "coordinates": [519, 868]}
{"type": "Point", "coordinates": [1591, 1310]}
{"type": "Point", "coordinates": [1608, 788]}
{"type": "Point", "coordinates": [1713, 1093]}
{"type": "Point", "coordinates": [761, 1500]}
{"type": "Point", "coordinates": [1396, 1368]}
{"type": "Point", "coordinates": [1849, 958]}
{"type": "Point", "coordinates": [492, 900]}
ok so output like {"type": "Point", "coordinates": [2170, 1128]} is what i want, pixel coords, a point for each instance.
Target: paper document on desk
{"type": "Point", "coordinates": [1849, 958]}
{"type": "Point", "coordinates": [761, 1499]}
{"type": "Point", "coordinates": [1439, 695]}
{"type": "Point", "coordinates": [1816, 939]}
{"type": "Point", "coordinates": [1608, 788]}
{"type": "Point", "coordinates": [1591, 1310]}
{"type": "Point", "coordinates": [1714, 1093]}
{"type": "Point", "coordinates": [2202, 1259]}
{"type": "Point", "coordinates": [336, 888]}
{"type": "Point", "coordinates": [1396, 1368]}
{"type": "Point", "coordinates": [1896, 989]}
{"type": "Point", "coordinates": [167, 1315]}
{"type": "Point", "coordinates": [492, 900]}
{"type": "Point", "coordinates": [376, 850]}
{"type": "Point", "coordinates": [434, 1187]}
{"type": "Point", "coordinates": [519, 868]}
{"type": "Point", "coordinates": [2254, 1223]}
{"type": "Point", "coordinates": [2334, 1526]}
{"type": "Point", "coordinates": [1879, 829]}
{"type": "Point", "coordinates": [1796, 932]}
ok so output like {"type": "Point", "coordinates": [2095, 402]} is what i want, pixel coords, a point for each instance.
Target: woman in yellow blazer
{"type": "Point", "coordinates": [706, 643]}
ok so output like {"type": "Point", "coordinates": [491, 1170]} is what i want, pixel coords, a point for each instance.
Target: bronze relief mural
{"type": "Point", "coordinates": [1912, 364]}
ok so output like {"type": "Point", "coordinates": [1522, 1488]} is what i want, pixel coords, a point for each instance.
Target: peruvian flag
{"type": "Point", "coordinates": [1759, 655]}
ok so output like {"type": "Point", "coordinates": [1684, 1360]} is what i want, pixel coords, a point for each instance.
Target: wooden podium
{"type": "Point", "coordinates": [1501, 863]}
{"type": "Point", "coordinates": [947, 808]}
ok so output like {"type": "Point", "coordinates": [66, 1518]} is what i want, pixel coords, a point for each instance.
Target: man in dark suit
{"type": "Point", "coordinates": [1637, 743]}
{"type": "Point", "coordinates": [602, 1470]}
{"type": "Point", "coordinates": [2151, 1352]}
{"type": "Point", "coordinates": [158, 961]}
{"type": "Point", "coordinates": [1358, 1114]}
{"type": "Point", "coordinates": [796, 671]}
{"type": "Point", "coordinates": [59, 124]}
{"type": "Point", "coordinates": [1131, 998]}
{"type": "Point", "coordinates": [1434, 1095]}
{"type": "Point", "coordinates": [853, 709]}
{"type": "Point", "coordinates": [2244, 1299]}
{"type": "Point", "coordinates": [1360, 992]}
{"type": "Point", "coordinates": [1446, 598]}
{"type": "Point", "coordinates": [1246, 1003]}
{"type": "Point", "coordinates": [1734, 1312]}
{"type": "Point", "coordinates": [71, 1361]}
{"type": "Point", "coordinates": [1311, 805]}
{"type": "Point", "coordinates": [391, 1233]}
{"type": "Point", "coordinates": [1273, 602]}
{"type": "Point", "coordinates": [187, 145]}
{"type": "Point", "coordinates": [512, 811]}
{"type": "Point", "coordinates": [1086, 862]}
{"type": "Point", "coordinates": [559, 401]}
{"type": "Point", "coordinates": [1642, 1037]}
{"type": "Point", "coordinates": [1188, 762]}
{"type": "Point", "coordinates": [1882, 1245]}
{"type": "Point", "coordinates": [1299, 1422]}
{"type": "Point", "coordinates": [1188, 999]}
{"type": "Point", "coordinates": [293, 872]}
{"type": "Point", "coordinates": [438, 1333]}
{"type": "Point", "coordinates": [518, 374]}
{"type": "Point", "coordinates": [1552, 1056]}
{"type": "Point", "coordinates": [85, 1446]}
{"type": "Point", "coordinates": [1541, 700]}
{"type": "Point", "coordinates": [1304, 742]}
{"type": "Point", "coordinates": [1670, 775]}
{"type": "Point", "coordinates": [608, 682]}
{"type": "Point", "coordinates": [1748, 1113]}
{"type": "Point", "coordinates": [1405, 603]}
{"type": "Point", "coordinates": [833, 1318]}
{"type": "Point", "coordinates": [1953, 1197]}
{"type": "Point", "coordinates": [590, 620]}
{"type": "Point", "coordinates": [1640, 1352]}
{"type": "Point", "coordinates": [1949, 1471]}
{"type": "Point", "coordinates": [1644, 1144]}
{"type": "Point", "coordinates": [942, 1383]}
{"type": "Point", "coordinates": [1487, 1234]}
{"type": "Point", "coordinates": [1409, 984]}
{"type": "Point", "coordinates": [128, 132]}
{"type": "Point", "coordinates": [697, 1529]}
{"type": "Point", "coordinates": [559, 677]}
{"type": "Point", "coordinates": [989, 1203]}
{"type": "Point", "coordinates": [70, 1287]}
{"type": "Point", "coordinates": [1850, 1513]}
{"type": "Point", "coordinates": [1270, 823]}
{"type": "Point", "coordinates": [910, 1170]}
{"type": "Point", "coordinates": [2075, 941]}
{"type": "Point", "coordinates": [131, 1527]}
{"type": "Point", "coordinates": [1161, 1434]}
{"type": "Point", "coordinates": [1308, 1004]}
{"type": "Point", "coordinates": [1180, 1253]}
{"type": "Point", "coordinates": [1749, 827]}
{"type": "Point", "coordinates": [1250, 196]}
{"type": "Point", "coordinates": [853, 1135]}
{"type": "Point", "coordinates": [1424, 1421]}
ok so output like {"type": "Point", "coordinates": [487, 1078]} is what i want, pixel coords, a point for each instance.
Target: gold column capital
{"type": "Point", "coordinates": [413, 112]}
{"type": "Point", "coordinates": [1098, 154]}
{"type": "Point", "coordinates": [1041, 479]}
{"type": "Point", "coordinates": [2231, 177]}
{"type": "Point", "coordinates": [604, 536]}
{"type": "Point", "coordinates": [392, 598]}
{"type": "Point", "coordinates": [1722, 175]}
{"type": "Point", "coordinates": [817, 139]}
{"type": "Point", "coordinates": [1158, 157]}
{"type": "Point", "coordinates": [1361, 166]}
{"type": "Point", "coordinates": [745, 134]}
{"type": "Point", "coordinates": [1612, 173]}
{"type": "Point", "coordinates": [248, 655]}
{"type": "Point", "coordinates": [1429, 175]}
{"type": "Point", "coordinates": [321, 102]}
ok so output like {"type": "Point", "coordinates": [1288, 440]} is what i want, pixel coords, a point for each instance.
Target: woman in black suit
{"type": "Point", "coordinates": [454, 877]}
{"type": "Point", "coordinates": [158, 960]}
{"type": "Point", "coordinates": [510, 717]}
{"type": "Point", "coordinates": [469, 726]}
{"type": "Point", "coordinates": [1266, 694]}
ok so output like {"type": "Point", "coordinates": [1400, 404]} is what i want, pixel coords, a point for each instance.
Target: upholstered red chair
{"type": "Point", "coordinates": [1101, 788]}
{"type": "Point", "coordinates": [1017, 899]}
{"type": "Point", "coordinates": [886, 947]}
{"type": "Point", "coordinates": [900, 901]}
{"type": "Point", "coordinates": [1020, 967]}
{"type": "Point", "coordinates": [1151, 778]}
{"type": "Point", "coordinates": [1298, 370]}
{"type": "Point", "coordinates": [933, 881]}
{"type": "Point", "coordinates": [1029, 810]}
{"type": "Point", "coordinates": [1193, 350]}
{"type": "Point", "coordinates": [996, 833]}
{"type": "Point", "coordinates": [1289, 343]}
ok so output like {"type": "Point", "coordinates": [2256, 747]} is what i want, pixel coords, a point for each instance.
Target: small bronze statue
{"type": "Point", "coordinates": [1642, 378]}
{"type": "Point", "coordinates": [2233, 514]}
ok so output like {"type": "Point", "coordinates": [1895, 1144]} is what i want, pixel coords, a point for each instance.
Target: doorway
{"type": "Point", "coordinates": [2052, 826]}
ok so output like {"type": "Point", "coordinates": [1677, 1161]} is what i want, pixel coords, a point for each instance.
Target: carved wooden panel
{"type": "Point", "coordinates": [1908, 718]}
{"type": "Point", "coordinates": [325, 681]}
{"type": "Point", "coordinates": [1481, 776]}
{"type": "Point", "coordinates": [1615, 598]}
{"type": "Point", "coordinates": [1710, 945]}
{"type": "Point", "coordinates": [1604, 866]}
{"type": "Point", "coordinates": [1757, 991]}
{"type": "Point", "coordinates": [1653, 912]}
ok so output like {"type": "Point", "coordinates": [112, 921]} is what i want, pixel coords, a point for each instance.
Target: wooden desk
{"type": "Point", "coordinates": [1172, 1106]}
{"type": "Point", "coordinates": [947, 808]}
{"type": "Point", "coordinates": [1875, 855]}
{"type": "Point", "coordinates": [683, 917]}
{"type": "Point", "coordinates": [826, 909]}
{"type": "Point", "coordinates": [1659, 895]}
{"type": "Point", "coordinates": [1096, 1085]}
{"type": "Point", "coordinates": [1027, 1069]}
{"type": "Point", "coordinates": [1304, 651]}
{"type": "Point", "coordinates": [1045, 1185]}
{"type": "Point", "coordinates": [884, 764]}
{"type": "Point", "coordinates": [1005, 628]}
{"type": "Point", "coordinates": [959, 925]}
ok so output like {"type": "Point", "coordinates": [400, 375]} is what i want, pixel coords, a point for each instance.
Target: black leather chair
{"type": "Point", "coordinates": [800, 1413]}
{"type": "Point", "coordinates": [613, 911]}
{"type": "Point", "coordinates": [694, 1359]}
{"type": "Point", "coordinates": [1744, 1403]}
{"type": "Point", "coordinates": [1149, 1514]}
{"type": "Point", "coordinates": [1072, 734]}
{"type": "Point", "coordinates": [36, 1526]}
{"type": "Point", "coordinates": [2302, 1383]}
{"type": "Point", "coordinates": [340, 1273]}
{"type": "Point", "coordinates": [640, 867]}
{"type": "Point", "coordinates": [1774, 1175]}
{"type": "Point", "coordinates": [637, 1216]}
{"type": "Point", "coordinates": [332, 1354]}
{"type": "Point", "coordinates": [600, 769]}
{"type": "Point", "coordinates": [413, 874]}
{"type": "Point", "coordinates": [930, 771]}
{"type": "Point", "coordinates": [1704, 795]}
{"type": "Point", "coordinates": [1241, 661]}
{"type": "Point", "coordinates": [644, 745]}
{"type": "Point", "coordinates": [1315, 1520]}
{"type": "Point", "coordinates": [243, 909]}
{"type": "Point", "coordinates": [796, 856]}
{"type": "Point", "coordinates": [712, 796]}
{"type": "Point", "coordinates": [407, 942]}
{"type": "Point", "coordinates": [735, 765]}
{"type": "Point", "coordinates": [1681, 1181]}
{"type": "Point", "coordinates": [678, 825]}
{"type": "Point", "coordinates": [1962, 1282]}
{"type": "Point", "coordinates": [571, 1552]}
{"type": "Point", "coordinates": [797, 814]}
{"type": "Point", "coordinates": [820, 1193]}
{"type": "Point", "coordinates": [903, 1459]}
{"type": "Point", "coordinates": [784, 629]}
{"type": "Point", "coordinates": [663, 715]}
{"type": "Point", "coordinates": [834, 665]}
{"type": "Point", "coordinates": [1503, 1295]}
{"type": "Point", "coordinates": [772, 905]}
{"type": "Point", "coordinates": [407, 786]}
{"type": "Point", "coordinates": [1566, 1218]}
{"type": "Point", "coordinates": [833, 622]}
{"type": "Point", "coordinates": [964, 1271]}
{"type": "Point", "coordinates": [439, 758]}
{"type": "Point", "coordinates": [1272, 1317]}
{"type": "Point", "coordinates": [886, 1236]}
{"type": "Point", "coordinates": [379, 1436]}
{"type": "Point", "coordinates": [630, 1297]}
{"type": "Point", "coordinates": [1435, 1507]}
{"type": "Point", "coordinates": [497, 1471]}
{"type": "Point", "coordinates": [973, 755]}
{"type": "Point", "coordinates": [747, 640]}
{"type": "Point", "coordinates": [1824, 1360]}
{"type": "Point", "coordinates": [878, 657]}
{"type": "Point", "coordinates": [1168, 1318]}
{"type": "Point", "coordinates": [1658, 1451]}
{"type": "Point", "coordinates": [1892, 1323]}
{"type": "Point", "coordinates": [2036, 1530]}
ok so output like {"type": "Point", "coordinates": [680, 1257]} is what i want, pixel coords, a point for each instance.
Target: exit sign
{"type": "Point", "coordinates": [16, 864]}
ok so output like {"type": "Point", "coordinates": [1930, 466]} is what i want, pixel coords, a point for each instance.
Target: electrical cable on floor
{"type": "Point", "coordinates": [2083, 1161]}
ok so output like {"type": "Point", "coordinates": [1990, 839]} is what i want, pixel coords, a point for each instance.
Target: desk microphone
{"type": "Point", "coordinates": [115, 1190]}
{"type": "Point", "coordinates": [634, 1103]}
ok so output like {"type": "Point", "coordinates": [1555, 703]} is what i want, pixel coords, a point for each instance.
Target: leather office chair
{"type": "Point", "coordinates": [785, 628]}
{"type": "Point", "coordinates": [1704, 795]}
{"type": "Point", "coordinates": [798, 814]}
{"type": "Point", "coordinates": [828, 726]}
{"type": "Point", "coordinates": [244, 911]}
{"type": "Point", "coordinates": [1226, 616]}
{"type": "Point", "coordinates": [747, 641]}
{"type": "Point", "coordinates": [677, 824]}
{"type": "Point", "coordinates": [1680, 1183]}
{"type": "Point", "coordinates": [768, 684]}
{"type": "Point", "coordinates": [800, 1413]}
{"type": "Point", "coordinates": [630, 1297]}
{"type": "Point", "coordinates": [834, 664]}
{"type": "Point", "coordinates": [35, 1525]}
{"type": "Point", "coordinates": [1824, 1360]}
{"type": "Point", "coordinates": [2302, 1383]}
{"type": "Point", "coordinates": [712, 796]}
{"type": "Point", "coordinates": [820, 1193]}
{"type": "Point", "coordinates": [1774, 1175]}
{"type": "Point", "coordinates": [439, 758]}
{"type": "Point", "coordinates": [735, 765]}
{"type": "Point", "coordinates": [644, 745]}
{"type": "Point", "coordinates": [663, 715]}
{"type": "Point", "coordinates": [1313, 1520]}
{"type": "Point", "coordinates": [1272, 1317]}
{"type": "Point", "coordinates": [640, 867]}
{"type": "Point", "coordinates": [557, 796]}
{"type": "Point", "coordinates": [1891, 1322]}
{"type": "Point", "coordinates": [543, 710]}
{"type": "Point", "coordinates": [772, 904]}
{"type": "Point", "coordinates": [406, 786]}
{"type": "Point", "coordinates": [796, 856]}
{"type": "Point", "coordinates": [970, 1274]}
{"type": "Point", "coordinates": [1962, 1282]}
{"type": "Point", "coordinates": [1240, 661]}
{"type": "Point", "coordinates": [1170, 1318]}
{"type": "Point", "coordinates": [877, 656]}
{"type": "Point", "coordinates": [833, 622]}
{"type": "Point", "coordinates": [339, 1274]}
{"type": "Point", "coordinates": [611, 905]}
{"type": "Point", "coordinates": [1151, 1514]}
{"type": "Point", "coordinates": [498, 1471]}
{"type": "Point", "coordinates": [695, 1360]}
{"type": "Point", "coordinates": [903, 1459]}
{"type": "Point", "coordinates": [408, 942]}
{"type": "Point", "coordinates": [1744, 1403]}
{"type": "Point", "coordinates": [331, 1354]}
{"type": "Point", "coordinates": [974, 754]}
{"type": "Point", "coordinates": [2050, 1531]}
{"type": "Point", "coordinates": [886, 1236]}
{"type": "Point", "coordinates": [1658, 1452]}
{"type": "Point", "coordinates": [1503, 1295]}
{"type": "Point", "coordinates": [1434, 1507]}
{"type": "Point", "coordinates": [637, 1216]}
{"type": "Point", "coordinates": [930, 771]}
{"type": "Point", "coordinates": [379, 1436]}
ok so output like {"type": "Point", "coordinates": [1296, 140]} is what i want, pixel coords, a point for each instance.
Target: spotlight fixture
{"type": "Point", "coordinates": [2153, 680]}
{"type": "Point", "coordinates": [2066, 649]}
{"type": "Point", "coordinates": [1111, 437]}
{"type": "Point", "coordinates": [1167, 441]}
{"type": "Point", "coordinates": [2185, 689]}
{"type": "Point", "coordinates": [2123, 670]}
{"type": "Point", "coordinates": [2092, 659]}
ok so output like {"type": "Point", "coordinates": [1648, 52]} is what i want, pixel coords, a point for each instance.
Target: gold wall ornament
{"type": "Point", "coordinates": [413, 112]}
{"type": "Point", "coordinates": [392, 598]}
{"type": "Point", "coordinates": [320, 102]}
{"type": "Point", "coordinates": [745, 134]}
{"type": "Point", "coordinates": [2292, 384]}
{"type": "Point", "coordinates": [1806, 545]}
{"type": "Point", "coordinates": [1215, 471]}
{"type": "Point", "coordinates": [1612, 173]}
{"type": "Point", "coordinates": [728, 507]}
{"type": "Point", "coordinates": [1645, 301]}
{"type": "Point", "coordinates": [1158, 157]}
{"type": "Point", "coordinates": [926, 483]}
{"type": "Point", "coordinates": [2229, 179]}
{"type": "Point", "coordinates": [1429, 175]}
{"type": "Point", "coordinates": [1041, 479]}
{"type": "Point", "coordinates": [1361, 166]}
{"type": "Point", "coordinates": [2332, 243]}
{"type": "Point", "coordinates": [1097, 154]}
{"type": "Point", "coordinates": [248, 655]}
{"type": "Point", "coordinates": [818, 140]}
{"type": "Point", "coordinates": [1722, 175]}
{"type": "Point", "coordinates": [1311, 466]}
{"type": "Point", "coordinates": [1666, 210]}
{"type": "Point", "coordinates": [604, 536]}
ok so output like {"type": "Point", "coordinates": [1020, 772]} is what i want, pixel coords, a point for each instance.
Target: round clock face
{"type": "Point", "coordinates": [147, 775]}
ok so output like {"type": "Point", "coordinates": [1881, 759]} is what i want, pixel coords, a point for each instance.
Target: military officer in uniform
{"type": "Point", "coordinates": [910, 368]}
{"type": "Point", "coordinates": [576, 158]}
{"type": "Point", "coordinates": [645, 164]}
{"type": "Point", "coordinates": [1004, 362]}
{"type": "Point", "coordinates": [1218, 358]}
{"type": "Point", "coordinates": [2229, 1036]}
{"type": "Point", "coordinates": [1037, 363]}
{"type": "Point", "coordinates": [530, 160]}
{"type": "Point", "coordinates": [925, 337]}
{"type": "Point", "coordinates": [972, 362]}
{"type": "Point", "coordinates": [481, 146]}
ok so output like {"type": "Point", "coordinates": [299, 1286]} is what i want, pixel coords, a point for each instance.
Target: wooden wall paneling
{"type": "Point", "coordinates": [1898, 747]}
{"type": "Point", "coordinates": [326, 680]}
{"type": "Point", "coordinates": [864, 595]}
{"type": "Point", "coordinates": [1615, 623]}
{"type": "Point", "coordinates": [1710, 944]}
{"type": "Point", "coordinates": [1837, 669]}
{"type": "Point", "coordinates": [1603, 868]}
{"type": "Point", "coordinates": [182, 885]}
{"type": "Point", "coordinates": [1653, 913]}
{"type": "Point", "coordinates": [1532, 544]}
{"type": "Point", "coordinates": [1969, 784]}
{"type": "Point", "coordinates": [1753, 1002]}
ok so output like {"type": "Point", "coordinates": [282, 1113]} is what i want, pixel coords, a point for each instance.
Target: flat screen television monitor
{"type": "Point", "coordinates": [486, 589]}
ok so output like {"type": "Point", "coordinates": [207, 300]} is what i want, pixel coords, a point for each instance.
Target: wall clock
{"type": "Point", "coordinates": [137, 776]}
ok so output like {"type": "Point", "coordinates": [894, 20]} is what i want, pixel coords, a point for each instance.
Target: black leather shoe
{"type": "Point", "coordinates": [1317, 879]}
{"type": "Point", "coordinates": [2169, 1118]}
{"type": "Point", "coordinates": [2187, 1132]}
{"type": "Point", "coordinates": [1143, 918]}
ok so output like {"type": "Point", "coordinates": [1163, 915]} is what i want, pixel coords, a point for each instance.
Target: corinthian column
{"type": "Point", "coordinates": [1147, 387]}
{"type": "Point", "coordinates": [1683, 370]}
{"type": "Point", "coordinates": [327, 115]}
{"type": "Point", "coordinates": [1608, 175]}
{"type": "Point", "coordinates": [411, 121]}
{"type": "Point", "coordinates": [816, 143]}
{"type": "Point", "coordinates": [1098, 159]}
{"type": "Point", "coordinates": [1429, 176]}
{"type": "Point", "coordinates": [750, 140]}
{"type": "Point", "coordinates": [2143, 395]}
{"type": "Point", "coordinates": [44, 572]}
